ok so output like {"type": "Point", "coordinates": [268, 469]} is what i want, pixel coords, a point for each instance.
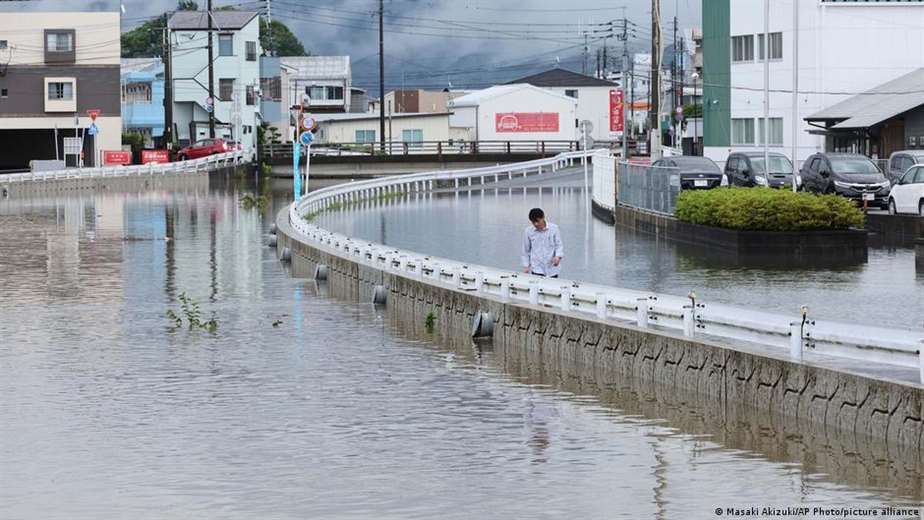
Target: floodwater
{"type": "Point", "coordinates": [304, 406]}
{"type": "Point", "coordinates": [486, 227]}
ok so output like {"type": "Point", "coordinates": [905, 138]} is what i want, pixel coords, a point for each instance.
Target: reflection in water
{"type": "Point", "coordinates": [340, 410]}
{"type": "Point", "coordinates": [486, 227]}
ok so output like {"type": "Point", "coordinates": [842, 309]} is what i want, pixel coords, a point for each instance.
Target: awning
{"type": "Point", "coordinates": [877, 104]}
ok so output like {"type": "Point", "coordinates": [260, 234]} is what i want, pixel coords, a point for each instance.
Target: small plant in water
{"type": "Point", "coordinates": [189, 308]}
{"type": "Point", "coordinates": [249, 201]}
{"type": "Point", "coordinates": [430, 321]}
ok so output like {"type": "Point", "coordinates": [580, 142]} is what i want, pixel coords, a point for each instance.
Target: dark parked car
{"type": "Point", "coordinates": [747, 169]}
{"type": "Point", "coordinates": [202, 148]}
{"type": "Point", "coordinates": [849, 174]}
{"type": "Point", "coordinates": [900, 161]}
{"type": "Point", "coordinates": [696, 173]}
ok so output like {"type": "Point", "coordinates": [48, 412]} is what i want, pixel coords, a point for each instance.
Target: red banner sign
{"type": "Point", "coordinates": [617, 116]}
{"type": "Point", "coordinates": [154, 156]}
{"type": "Point", "coordinates": [112, 158]}
{"type": "Point", "coordinates": [526, 122]}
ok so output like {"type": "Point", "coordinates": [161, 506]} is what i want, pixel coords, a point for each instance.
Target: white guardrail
{"type": "Point", "coordinates": [139, 170]}
{"type": "Point", "coordinates": [686, 315]}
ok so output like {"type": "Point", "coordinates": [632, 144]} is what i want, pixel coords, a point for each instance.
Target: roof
{"type": "Point", "coordinates": [130, 65]}
{"type": "Point", "coordinates": [877, 104]}
{"type": "Point", "coordinates": [562, 78]}
{"type": "Point", "coordinates": [322, 67]}
{"type": "Point", "coordinates": [223, 20]}
{"type": "Point", "coordinates": [480, 96]}
{"type": "Point", "coordinates": [348, 116]}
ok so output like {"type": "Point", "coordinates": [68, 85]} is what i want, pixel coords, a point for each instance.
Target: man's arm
{"type": "Point", "coordinates": [559, 252]}
{"type": "Point", "coordinates": [524, 255]}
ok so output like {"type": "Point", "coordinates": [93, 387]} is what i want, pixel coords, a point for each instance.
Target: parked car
{"type": "Point", "coordinates": [202, 148]}
{"type": "Point", "coordinates": [900, 161]}
{"type": "Point", "coordinates": [907, 195]}
{"type": "Point", "coordinates": [747, 169]}
{"type": "Point", "coordinates": [695, 172]}
{"type": "Point", "coordinates": [849, 174]}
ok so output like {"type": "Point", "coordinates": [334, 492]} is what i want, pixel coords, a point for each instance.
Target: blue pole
{"type": "Point", "coordinates": [296, 175]}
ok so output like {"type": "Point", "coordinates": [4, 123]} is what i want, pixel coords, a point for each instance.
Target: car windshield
{"type": "Point", "coordinates": [853, 165]}
{"type": "Point", "coordinates": [696, 164]}
{"type": "Point", "coordinates": [777, 164]}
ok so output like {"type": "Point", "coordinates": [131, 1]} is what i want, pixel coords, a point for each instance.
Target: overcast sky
{"type": "Point", "coordinates": [432, 43]}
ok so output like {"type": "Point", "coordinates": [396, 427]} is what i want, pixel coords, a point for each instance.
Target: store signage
{"type": "Point", "coordinates": [112, 158]}
{"type": "Point", "coordinates": [509, 122]}
{"type": "Point", "coordinates": [155, 156]}
{"type": "Point", "coordinates": [617, 114]}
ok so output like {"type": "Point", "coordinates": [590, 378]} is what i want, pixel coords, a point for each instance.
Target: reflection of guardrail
{"type": "Point", "coordinates": [191, 166]}
{"type": "Point", "coordinates": [648, 187]}
{"type": "Point", "coordinates": [688, 316]}
{"type": "Point", "coordinates": [438, 148]}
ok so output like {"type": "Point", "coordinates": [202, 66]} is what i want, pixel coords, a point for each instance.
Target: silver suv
{"type": "Point", "coordinates": [900, 161]}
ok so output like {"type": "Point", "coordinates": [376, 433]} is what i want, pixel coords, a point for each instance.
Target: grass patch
{"type": "Point", "coordinates": [762, 209]}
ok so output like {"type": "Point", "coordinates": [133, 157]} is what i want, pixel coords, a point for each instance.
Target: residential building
{"type": "Point", "coordinates": [236, 51]}
{"type": "Point", "coordinates": [325, 80]}
{"type": "Point", "coordinates": [54, 68]}
{"type": "Point", "coordinates": [359, 100]}
{"type": "Point", "coordinates": [591, 94]}
{"type": "Point", "coordinates": [846, 47]}
{"type": "Point", "coordinates": [399, 128]}
{"type": "Point", "coordinates": [143, 99]}
{"type": "Point", "coordinates": [419, 100]}
{"type": "Point", "coordinates": [272, 109]}
{"type": "Point", "coordinates": [520, 112]}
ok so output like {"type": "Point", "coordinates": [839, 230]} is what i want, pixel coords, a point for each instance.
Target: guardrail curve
{"type": "Point", "coordinates": [194, 165]}
{"type": "Point", "coordinates": [687, 315]}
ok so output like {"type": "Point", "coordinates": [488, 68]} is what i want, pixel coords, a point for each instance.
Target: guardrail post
{"type": "Point", "coordinates": [457, 183]}
{"type": "Point", "coordinates": [689, 324]}
{"type": "Point", "coordinates": [505, 289]}
{"type": "Point", "coordinates": [479, 281]}
{"type": "Point", "coordinates": [601, 306]}
{"type": "Point", "coordinates": [533, 293]}
{"type": "Point", "coordinates": [921, 360]}
{"type": "Point", "coordinates": [566, 298]}
{"type": "Point", "coordinates": [641, 312]}
{"type": "Point", "coordinates": [795, 341]}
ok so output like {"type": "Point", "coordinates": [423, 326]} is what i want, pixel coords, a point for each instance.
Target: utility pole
{"type": "Point", "coordinates": [211, 77]}
{"type": "Point", "coordinates": [767, 89]}
{"type": "Point", "coordinates": [168, 88]}
{"type": "Point", "coordinates": [655, 83]}
{"type": "Point", "coordinates": [269, 27]}
{"type": "Point", "coordinates": [626, 81]}
{"type": "Point", "coordinates": [604, 59]}
{"type": "Point", "coordinates": [598, 64]}
{"type": "Point", "coordinates": [584, 61]}
{"type": "Point", "coordinates": [795, 92]}
{"type": "Point", "coordinates": [382, 73]}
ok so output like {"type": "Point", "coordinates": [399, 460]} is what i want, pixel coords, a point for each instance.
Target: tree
{"type": "Point", "coordinates": [187, 5]}
{"type": "Point", "coordinates": [146, 40]}
{"type": "Point", "coordinates": [280, 40]}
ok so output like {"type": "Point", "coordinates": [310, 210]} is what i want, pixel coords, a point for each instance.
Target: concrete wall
{"type": "Point", "coordinates": [807, 398]}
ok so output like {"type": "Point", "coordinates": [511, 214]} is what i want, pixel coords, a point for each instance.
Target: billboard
{"type": "Point", "coordinates": [120, 157]}
{"type": "Point", "coordinates": [617, 112]}
{"type": "Point", "coordinates": [509, 122]}
{"type": "Point", "coordinates": [155, 156]}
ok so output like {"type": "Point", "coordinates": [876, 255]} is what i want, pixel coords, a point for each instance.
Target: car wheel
{"type": "Point", "coordinates": [921, 208]}
{"type": "Point", "coordinates": [892, 210]}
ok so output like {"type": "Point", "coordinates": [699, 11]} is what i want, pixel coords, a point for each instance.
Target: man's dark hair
{"type": "Point", "coordinates": [536, 214]}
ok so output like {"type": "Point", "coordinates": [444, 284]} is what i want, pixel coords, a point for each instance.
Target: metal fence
{"type": "Point", "coordinates": [450, 147]}
{"type": "Point", "coordinates": [794, 333]}
{"type": "Point", "coordinates": [211, 162]}
{"type": "Point", "coordinates": [604, 187]}
{"type": "Point", "coordinates": [648, 187]}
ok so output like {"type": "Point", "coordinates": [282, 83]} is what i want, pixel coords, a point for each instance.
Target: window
{"type": "Point", "coordinates": [60, 41]}
{"type": "Point", "coordinates": [271, 89]}
{"type": "Point", "coordinates": [776, 131]}
{"type": "Point", "coordinates": [334, 93]}
{"type": "Point", "coordinates": [572, 93]}
{"type": "Point", "coordinates": [776, 46]}
{"type": "Point", "coordinates": [412, 136]}
{"type": "Point", "coordinates": [225, 45]}
{"type": "Point", "coordinates": [743, 131]}
{"type": "Point", "coordinates": [251, 98]}
{"type": "Point", "coordinates": [4, 44]}
{"type": "Point", "coordinates": [315, 92]}
{"type": "Point", "coordinates": [251, 51]}
{"type": "Point", "coordinates": [743, 48]}
{"type": "Point", "coordinates": [225, 89]}
{"type": "Point", "coordinates": [4, 93]}
{"type": "Point", "coordinates": [919, 176]}
{"type": "Point", "coordinates": [365, 136]}
{"type": "Point", "coordinates": [60, 91]}
{"type": "Point", "coordinates": [136, 93]}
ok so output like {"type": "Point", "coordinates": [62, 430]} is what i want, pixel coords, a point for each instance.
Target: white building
{"type": "Point", "coordinates": [845, 47]}
{"type": "Point", "coordinates": [399, 128]}
{"type": "Point", "coordinates": [592, 95]}
{"type": "Point", "coordinates": [54, 68]}
{"type": "Point", "coordinates": [236, 51]}
{"type": "Point", "coordinates": [518, 112]}
{"type": "Point", "coordinates": [326, 80]}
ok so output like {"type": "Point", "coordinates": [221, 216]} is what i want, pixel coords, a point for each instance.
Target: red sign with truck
{"type": "Point", "coordinates": [509, 122]}
{"type": "Point", "coordinates": [617, 116]}
{"type": "Point", "coordinates": [113, 158]}
{"type": "Point", "coordinates": [155, 156]}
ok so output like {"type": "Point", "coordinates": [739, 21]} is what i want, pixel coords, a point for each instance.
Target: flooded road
{"type": "Point", "coordinates": [304, 406]}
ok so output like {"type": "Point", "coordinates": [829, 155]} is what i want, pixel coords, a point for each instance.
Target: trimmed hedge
{"type": "Point", "coordinates": [764, 209]}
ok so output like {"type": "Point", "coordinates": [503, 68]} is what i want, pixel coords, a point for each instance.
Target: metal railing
{"type": "Point", "coordinates": [686, 315]}
{"type": "Point", "coordinates": [651, 188]}
{"type": "Point", "coordinates": [604, 173]}
{"type": "Point", "coordinates": [450, 147]}
{"type": "Point", "coordinates": [139, 170]}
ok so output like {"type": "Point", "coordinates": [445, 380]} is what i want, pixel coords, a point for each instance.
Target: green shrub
{"type": "Point", "coordinates": [762, 209]}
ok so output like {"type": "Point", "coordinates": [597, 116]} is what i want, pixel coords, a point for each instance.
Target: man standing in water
{"type": "Point", "coordinates": [542, 247]}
